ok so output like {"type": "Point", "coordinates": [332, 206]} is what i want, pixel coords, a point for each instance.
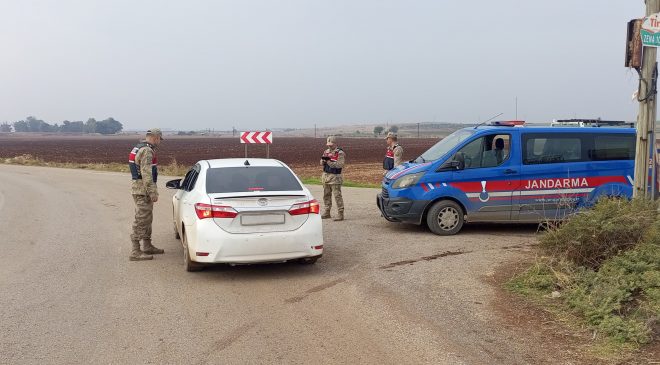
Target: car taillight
{"type": "Point", "coordinates": [214, 211]}
{"type": "Point", "coordinates": [310, 207]}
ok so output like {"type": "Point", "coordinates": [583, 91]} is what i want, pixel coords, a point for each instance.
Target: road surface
{"type": "Point", "coordinates": [383, 293]}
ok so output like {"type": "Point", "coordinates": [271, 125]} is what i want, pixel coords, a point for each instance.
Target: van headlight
{"type": "Point", "coordinates": [407, 181]}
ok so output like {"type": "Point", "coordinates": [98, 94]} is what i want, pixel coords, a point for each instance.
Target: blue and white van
{"type": "Point", "coordinates": [506, 172]}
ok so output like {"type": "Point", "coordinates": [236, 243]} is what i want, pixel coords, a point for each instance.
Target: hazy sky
{"type": "Point", "coordinates": [256, 64]}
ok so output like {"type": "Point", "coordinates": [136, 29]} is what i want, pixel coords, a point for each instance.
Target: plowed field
{"type": "Point", "coordinates": [364, 155]}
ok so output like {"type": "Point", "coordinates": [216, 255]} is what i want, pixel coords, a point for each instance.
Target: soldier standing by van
{"type": "Point", "coordinates": [394, 154]}
{"type": "Point", "coordinates": [143, 164]}
{"type": "Point", "coordinates": [333, 162]}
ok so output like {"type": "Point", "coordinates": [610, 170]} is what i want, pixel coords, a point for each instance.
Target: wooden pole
{"type": "Point", "coordinates": [647, 111]}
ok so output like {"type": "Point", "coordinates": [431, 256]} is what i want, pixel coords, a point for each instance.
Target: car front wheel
{"type": "Point", "coordinates": [445, 218]}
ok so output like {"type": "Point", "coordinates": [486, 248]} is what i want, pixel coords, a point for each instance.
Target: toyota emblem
{"type": "Point", "coordinates": [262, 202]}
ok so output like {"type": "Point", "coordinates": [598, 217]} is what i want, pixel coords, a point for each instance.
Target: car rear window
{"type": "Point", "coordinates": [250, 179]}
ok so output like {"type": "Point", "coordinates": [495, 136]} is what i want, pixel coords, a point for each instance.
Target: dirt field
{"type": "Point", "coordinates": [364, 155]}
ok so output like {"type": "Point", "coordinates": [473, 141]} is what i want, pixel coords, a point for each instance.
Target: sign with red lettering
{"type": "Point", "coordinates": [651, 31]}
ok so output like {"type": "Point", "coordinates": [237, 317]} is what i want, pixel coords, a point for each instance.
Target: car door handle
{"type": "Point", "coordinates": [510, 172]}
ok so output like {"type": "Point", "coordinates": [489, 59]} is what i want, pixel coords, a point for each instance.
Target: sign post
{"type": "Point", "coordinates": [646, 96]}
{"type": "Point", "coordinates": [257, 138]}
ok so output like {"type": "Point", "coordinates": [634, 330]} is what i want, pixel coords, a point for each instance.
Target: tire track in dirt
{"type": "Point", "coordinates": [423, 258]}
{"type": "Point", "coordinates": [313, 290]}
{"type": "Point", "coordinates": [228, 340]}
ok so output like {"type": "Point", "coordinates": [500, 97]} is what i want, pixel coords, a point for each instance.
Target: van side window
{"type": "Point", "coordinates": [552, 149]}
{"type": "Point", "coordinates": [488, 151]}
{"type": "Point", "coordinates": [613, 147]}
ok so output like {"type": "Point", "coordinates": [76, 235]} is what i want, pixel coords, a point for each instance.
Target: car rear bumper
{"type": "Point", "coordinates": [224, 247]}
{"type": "Point", "coordinates": [401, 209]}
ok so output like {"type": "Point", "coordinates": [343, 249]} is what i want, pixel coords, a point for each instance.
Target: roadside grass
{"type": "Point", "coordinates": [600, 270]}
{"type": "Point", "coordinates": [172, 169]}
{"type": "Point", "coordinates": [310, 180]}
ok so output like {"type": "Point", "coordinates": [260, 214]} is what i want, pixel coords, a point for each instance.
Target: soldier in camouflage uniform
{"type": "Point", "coordinates": [394, 153]}
{"type": "Point", "coordinates": [333, 162]}
{"type": "Point", "coordinates": [144, 171]}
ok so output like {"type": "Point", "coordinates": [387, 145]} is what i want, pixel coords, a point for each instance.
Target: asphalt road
{"type": "Point", "coordinates": [383, 293]}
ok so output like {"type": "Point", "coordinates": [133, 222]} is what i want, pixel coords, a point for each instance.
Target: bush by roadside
{"type": "Point", "coordinates": [602, 266]}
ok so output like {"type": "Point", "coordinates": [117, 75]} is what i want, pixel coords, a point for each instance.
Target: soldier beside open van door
{"type": "Point", "coordinates": [143, 164]}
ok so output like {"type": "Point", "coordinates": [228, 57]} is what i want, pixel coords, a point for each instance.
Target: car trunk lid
{"type": "Point", "coordinates": [260, 212]}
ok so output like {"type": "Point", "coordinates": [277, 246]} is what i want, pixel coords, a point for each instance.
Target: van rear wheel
{"type": "Point", "coordinates": [445, 218]}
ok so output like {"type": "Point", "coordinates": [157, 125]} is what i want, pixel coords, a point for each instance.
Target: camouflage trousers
{"type": "Point", "coordinates": [328, 191]}
{"type": "Point", "coordinates": [144, 215]}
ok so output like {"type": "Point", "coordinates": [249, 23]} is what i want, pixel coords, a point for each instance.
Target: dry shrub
{"type": "Point", "coordinates": [613, 225]}
{"type": "Point", "coordinates": [25, 159]}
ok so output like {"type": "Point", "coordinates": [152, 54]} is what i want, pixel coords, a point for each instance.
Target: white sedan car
{"type": "Point", "coordinates": [243, 211]}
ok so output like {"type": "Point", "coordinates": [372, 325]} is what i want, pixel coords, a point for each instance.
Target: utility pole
{"type": "Point", "coordinates": [516, 108]}
{"type": "Point", "coordinates": [314, 130]}
{"type": "Point", "coordinates": [647, 111]}
{"type": "Point", "coordinates": [417, 129]}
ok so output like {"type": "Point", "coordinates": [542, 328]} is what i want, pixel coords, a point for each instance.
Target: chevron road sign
{"type": "Point", "coordinates": [257, 137]}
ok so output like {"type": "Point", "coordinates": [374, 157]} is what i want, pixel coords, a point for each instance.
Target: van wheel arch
{"type": "Point", "coordinates": [432, 202]}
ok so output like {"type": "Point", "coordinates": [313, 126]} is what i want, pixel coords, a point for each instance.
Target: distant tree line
{"type": "Point", "coordinates": [32, 124]}
{"type": "Point", "coordinates": [380, 129]}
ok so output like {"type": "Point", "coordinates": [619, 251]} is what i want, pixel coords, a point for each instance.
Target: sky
{"type": "Point", "coordinates": [255, 64]}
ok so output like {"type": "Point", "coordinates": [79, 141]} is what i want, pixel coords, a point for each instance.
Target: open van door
{"type": "Point", "coordinates": [488, 173]}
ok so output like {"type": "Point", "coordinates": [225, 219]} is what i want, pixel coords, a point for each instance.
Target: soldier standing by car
{"type": "Point", "coordinates": [333, 162]}
{"type": "Point", "coordinates": [143, 164]}
{"type": "Point", "coordinates": [394, 154]}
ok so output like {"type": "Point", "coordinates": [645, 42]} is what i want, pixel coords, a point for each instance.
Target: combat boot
{"type": "Point", "coordinates": [325, 215]}
{"type": "Point", "coordinates": [137, 255]}
{"type": "Point", "coordinates": [339, 217]}
{"type": "Point", "coordinates": [151, 249]}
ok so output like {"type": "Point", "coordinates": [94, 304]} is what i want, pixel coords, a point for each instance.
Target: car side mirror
{"type": "Point", "coordinates": [173, 184]}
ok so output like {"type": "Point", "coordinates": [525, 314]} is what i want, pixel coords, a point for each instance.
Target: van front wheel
{"type": "Point", "coordinates": [445, 218]}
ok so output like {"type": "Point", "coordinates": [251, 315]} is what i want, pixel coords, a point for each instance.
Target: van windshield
{"type": "Point", "coordinates": [445, 145]}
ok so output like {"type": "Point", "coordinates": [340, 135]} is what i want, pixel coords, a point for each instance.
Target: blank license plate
{"type": "Point", "coordinates": [255, 220]}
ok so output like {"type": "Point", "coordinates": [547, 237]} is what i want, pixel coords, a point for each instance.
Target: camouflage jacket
{"type": "Point", "coordinates": [393, 157]}
{"type": "Point", "coordinates": [145, 160]}
{"type": "Point", "coordinates": [337, 158]}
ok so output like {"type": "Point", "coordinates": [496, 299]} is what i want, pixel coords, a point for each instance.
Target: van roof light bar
{"type": "Point", "coordinates": [591, 123]}
{"type": "Point", "coordinates": [508, 123]}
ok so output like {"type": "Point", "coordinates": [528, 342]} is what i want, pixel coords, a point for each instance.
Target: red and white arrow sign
{"type": "Point", "coordinates": [257, 137]}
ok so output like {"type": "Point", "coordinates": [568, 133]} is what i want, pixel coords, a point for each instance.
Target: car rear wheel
{"type": "Point", "coordinates": [189, 264]}
{"type": "Point", "coordinates": [176, 233]}
{"type": "Point", "coordinates": [308, 260]}
{"type": "Point", "coordinates": [445, 218]}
